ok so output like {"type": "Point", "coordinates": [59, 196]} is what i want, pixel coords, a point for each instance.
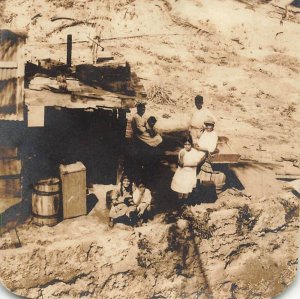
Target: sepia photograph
{"type": "Point", "coordinates": [149, 149]}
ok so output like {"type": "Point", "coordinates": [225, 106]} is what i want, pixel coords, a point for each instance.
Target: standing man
{"type": "Point", "coordinates": [199, 115]}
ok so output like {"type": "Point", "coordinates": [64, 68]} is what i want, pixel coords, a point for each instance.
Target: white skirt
{"type": "Point", "coordinates": [184, 180]}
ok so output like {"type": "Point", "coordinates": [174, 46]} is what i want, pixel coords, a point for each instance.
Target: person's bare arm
{"type": "Point", "coordinates": [190, 164]}
{"type": "Point", "coordinates": [139, 125]}
{"type": "Point", "coordinates": [180, 159]}
{"type": "Point", "coordinates": [151, 132]}
{"type": "Point", "coordinates": [203, 149]}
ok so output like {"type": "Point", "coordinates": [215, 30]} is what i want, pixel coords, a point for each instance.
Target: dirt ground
{"type": "Point", "coordinates": [243, 57]}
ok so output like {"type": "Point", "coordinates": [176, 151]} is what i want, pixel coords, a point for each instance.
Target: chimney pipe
{"type": "Point", "coordinates": [69, 50]}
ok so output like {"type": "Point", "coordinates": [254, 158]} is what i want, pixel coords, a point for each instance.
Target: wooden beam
{"type": "Point", "coordinates": [78, 100]}
{"type": "Point", "coordinates": [10, 167]}
{"type": "Point", "coordinates": [8, 152]}
{"type": "Point", "coordinates": [288, 176]}
{"type": "Point", "coordinates": [8, 64]}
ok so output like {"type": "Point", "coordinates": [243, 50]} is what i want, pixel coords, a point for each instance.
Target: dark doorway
{"type": "Point", "coordinates": [71, 135]}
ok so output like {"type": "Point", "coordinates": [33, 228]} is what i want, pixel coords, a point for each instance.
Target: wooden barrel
{"type": "Point", "coordinates": [46, 201]}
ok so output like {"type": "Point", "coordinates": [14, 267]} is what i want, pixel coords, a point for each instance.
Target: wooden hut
{"type": "Point", "coordinates": [11, 116]}
{"type": "Point", "coordinates": [52, 113]}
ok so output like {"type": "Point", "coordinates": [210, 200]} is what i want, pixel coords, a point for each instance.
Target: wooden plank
{"type": "Point", "coordinates": [78, 100]}
{"type": "Point", "coordinates": [98, 101]}
{"type": "Point", "coordinates": [225, 153]}
{"type": "Point", "coordinates": [287, 176]}
{"type": "Point", "coordinates": [45, 98]}
{"type": "Point", "coordinates": [10, 187]}
{"type": "Point", "coordinates": [73, 178]}
{"type": "Point", "coordinates": [8, 152]}
{"type": "Point", "coordinates": [36, 116]}
{"type": "Point", "coordinates": [289, 173]}
{"type": "Point", "coordinates": [10, 167]}
{"type": "Point", "coordinates": [8, 64]}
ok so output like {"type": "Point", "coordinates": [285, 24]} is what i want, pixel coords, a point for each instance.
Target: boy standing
{"type": "Point", "coordinates": [199, 115]}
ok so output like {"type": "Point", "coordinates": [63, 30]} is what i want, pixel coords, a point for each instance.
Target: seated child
{"type": "Point", "coordinates": [142, 199]}
{"type": "Point", "coordinates": [150, 136]}
{"type": "Point", "coordinates": [123, 209]}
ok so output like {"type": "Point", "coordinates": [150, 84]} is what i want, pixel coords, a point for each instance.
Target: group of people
{"type": "Point", "coordinates": [131, 203]}
{"type": "Point", "coordinates": [146, 147]}
{"type": "Point", "coordinates": [194, 158]}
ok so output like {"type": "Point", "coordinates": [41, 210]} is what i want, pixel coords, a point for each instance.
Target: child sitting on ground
{"type": "Point", "coordinates": [142, 199]}
{"type": "Point", "coordinates": [123, 209]}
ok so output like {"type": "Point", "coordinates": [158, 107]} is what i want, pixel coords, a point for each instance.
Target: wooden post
{"type": "Point", "coordinates": [120, 169]}
{"type": "Point", "coordinates": [122, 123]}
{"type": "Point", "coordinates": [69, 50]}
{"type": "Point", "coordinates": [121, 134]}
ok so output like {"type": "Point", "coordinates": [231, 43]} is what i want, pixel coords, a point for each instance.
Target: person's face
{"type": "Point", "coordinates": [187, 146]}
{"type": "Point", "coordinates": [198, 104]}
{"type": "Point", "coordinates": [141, 188]}
{"type": "Point", "coordinates": [152, 124]}
{"type": "Point", "coordinates": [114, 196]}
{"type": "Point", "coordinates": [209, 127]}
{"type": "Point", "coordinates": [126, 183]}
{"type": "Point", "coordinates": [141, 110]}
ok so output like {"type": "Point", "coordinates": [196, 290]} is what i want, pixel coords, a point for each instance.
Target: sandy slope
{"type": "Point", "coordinates": [237, 55]}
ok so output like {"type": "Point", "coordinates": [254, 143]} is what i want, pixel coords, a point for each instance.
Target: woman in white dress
{"type": "Point", "coordinates": [185, 177]}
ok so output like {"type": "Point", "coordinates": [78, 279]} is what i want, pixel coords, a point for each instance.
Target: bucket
{"type": "Point", "coordinates": [205, 178]}
{"type": "Point", "coordinates": [215, 178]}
{"type": "Point", "coordinates": [219, 179]}
{"type": "Point", "coordinates": [45, 202]}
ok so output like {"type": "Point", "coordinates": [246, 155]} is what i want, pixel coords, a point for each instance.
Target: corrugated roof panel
{"type": "Point", "coordinates": [11, 75]}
